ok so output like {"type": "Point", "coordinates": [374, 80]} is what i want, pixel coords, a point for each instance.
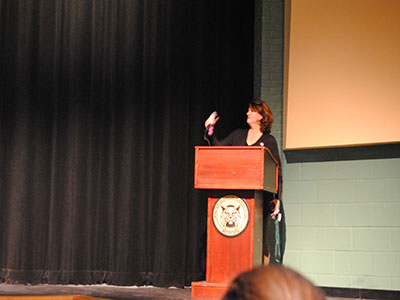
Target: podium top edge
{"type": "Point", "coordinates": [266, 149]}
{"type": "Point", "coordinates": [230, 147]}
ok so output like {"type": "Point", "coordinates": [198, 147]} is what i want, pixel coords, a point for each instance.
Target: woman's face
{"type": "Point", "coordinates": [253, 117]}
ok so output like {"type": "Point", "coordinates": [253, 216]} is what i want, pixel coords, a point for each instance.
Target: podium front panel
{"type": "Point", "coordinates": [229, 256]}
{"type": "Point", "coordinates": [234, 167]}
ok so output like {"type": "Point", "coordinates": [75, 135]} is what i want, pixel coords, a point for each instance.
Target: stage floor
{"type": "Point", "coordinates": [103, 291]}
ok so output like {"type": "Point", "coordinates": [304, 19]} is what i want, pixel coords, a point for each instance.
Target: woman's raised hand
{"type": "Point", "coordinates": [212, 120]}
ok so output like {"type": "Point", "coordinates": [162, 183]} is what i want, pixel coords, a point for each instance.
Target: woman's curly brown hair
{"type": "Point", "coordinates": [263, 109]}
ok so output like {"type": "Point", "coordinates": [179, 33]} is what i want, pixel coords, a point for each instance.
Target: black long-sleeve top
{"type": "Point", "coordinates": [238, 138]}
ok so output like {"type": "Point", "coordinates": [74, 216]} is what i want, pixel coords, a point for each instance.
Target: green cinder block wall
{"type": "Point", "coordinates": [343, 217]}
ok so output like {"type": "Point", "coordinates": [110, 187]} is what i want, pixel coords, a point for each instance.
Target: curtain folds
{"type": "Point", "coordinates": [102, 103]}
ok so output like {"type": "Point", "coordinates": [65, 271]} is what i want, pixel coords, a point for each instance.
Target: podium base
{"type": "Point", "coordinates": [208, 290]}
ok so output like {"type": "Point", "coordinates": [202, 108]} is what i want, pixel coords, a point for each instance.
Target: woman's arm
{"type": "Point", "coordinates": [228, 141]}
{"type": "Point", "coordinates": [272, 145]}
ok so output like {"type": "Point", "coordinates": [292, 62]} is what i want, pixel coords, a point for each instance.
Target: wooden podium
{"type": "Point", "coordinates": [236, 177]}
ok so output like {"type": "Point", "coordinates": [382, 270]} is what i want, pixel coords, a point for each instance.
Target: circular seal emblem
{"type": "Point", "coordinates": [230, 215]}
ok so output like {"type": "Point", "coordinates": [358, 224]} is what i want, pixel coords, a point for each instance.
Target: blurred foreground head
{"type": "Point", "coordinates": [272, 282]}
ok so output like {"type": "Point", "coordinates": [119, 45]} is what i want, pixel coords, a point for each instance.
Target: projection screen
{"type": "Point", "coordinates": [342, 73]}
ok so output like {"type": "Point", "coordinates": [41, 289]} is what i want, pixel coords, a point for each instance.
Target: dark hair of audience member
{"type": "Point", "coordinates": [272, 282]}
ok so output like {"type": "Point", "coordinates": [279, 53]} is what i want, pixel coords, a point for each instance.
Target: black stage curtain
{"type": "Point", "coordinates": [102, 103]}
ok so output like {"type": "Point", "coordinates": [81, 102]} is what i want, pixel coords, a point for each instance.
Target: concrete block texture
{"type": "Point", "coordinates": [317, 262]}
{"type": "Point", "coordinates": [395, 284]}
{"type": "Point", "coordinates": [336, 191]}
{"type": "Point", "coordinates": [318, 215]}
{"type": "Point", "coordinates": [301, 238]}
{"type": "Point", "coordinates": [395, 190]}
{"type": "Point", "coordinates": [355, 169]}
{"type": "Point", "coordinates": [372, 282]}
{"type": "Point", "coordinates": [319, 170]}
{"type": "Point", "coordinates": [334, 239]}
{"type": "Point", "coordinates": [395, 240]}
{"type": "Point", "coordinates": [353, 263]}
{"type": "Point", "coordinates": [293, 215]}
{"type": "Point", "coordinates": [387, 168]}
{"type": "Point", "coordinates": [334, 280]}
{"type": "Point", "coordinates": [373, 191]}
{"type": "Point", "coordinates": [292, 171]}
{"type": "Point", "coordinates": [368, 215]}
{"type": "Point", "coordinates": [292, 259]}
{"type": "Point", "coordinates": [386, 265]}
{"type": "Point", "coordinates": [372, 239]}
{"type": "Point", "coordinates": [300, 192]}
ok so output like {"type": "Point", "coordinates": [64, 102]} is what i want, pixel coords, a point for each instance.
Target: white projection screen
{"type": "Point", "coordinates": [342, 73]}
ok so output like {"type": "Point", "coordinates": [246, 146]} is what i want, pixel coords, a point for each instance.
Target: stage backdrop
{"type": "Point", "coordinates": [101, 105]}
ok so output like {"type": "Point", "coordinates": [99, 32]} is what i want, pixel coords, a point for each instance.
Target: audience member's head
{"type": "Point", "coordinates": [272, 282]}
